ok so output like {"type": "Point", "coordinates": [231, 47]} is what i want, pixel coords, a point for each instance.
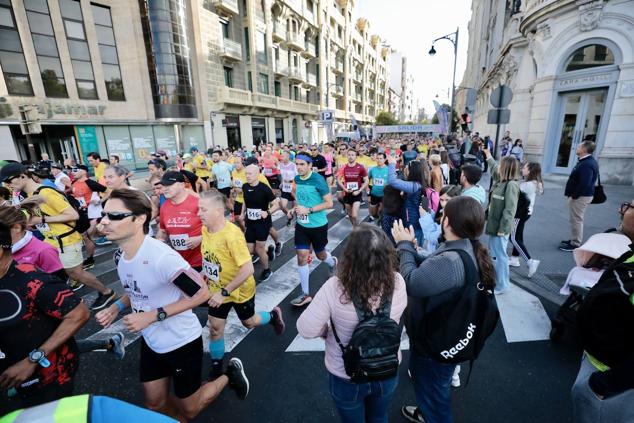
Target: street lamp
{"type": "Point", "coordinates": [453, 37]}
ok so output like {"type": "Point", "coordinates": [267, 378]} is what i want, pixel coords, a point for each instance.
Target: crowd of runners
{"type": "Point", "coordinates": [193, 239]}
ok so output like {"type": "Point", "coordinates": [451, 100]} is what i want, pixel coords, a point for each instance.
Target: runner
{"type": "Point", "coordinates": [229, 272]}
{"type": "Point", "coordinates": [289, 171]}
{"type": "Point", "coordinates": [99, 167]}
{"type": "Point", "coordinates": [178, 219]}
{"type": "Point", "coordinates": [62, 181]}
{"type": "Point", "coordinates": [311, 231]}
{"type": "Point", "coordinates": [222, 172]}
{"type": "Point", "coordinates": [269, 163]}
{"type": "Point", "coordinates": [162, 288]}
{"type": "Point", "coordinates": [259, 204]}
{"type": "Point", "coordinates": [330, 159]}
{"type": "Point", "coordinates": [378, 178]}
{"type": "Point", "coordinates": [320, 165]}
{"type": "Point", "coordinates": [200, 165]}
{"type": "Point", "coordinates": [353, 179]}
{"type": "Point", "coordinates": [57, 222]}
{"type": "Point", "coordinates": [341, 160]}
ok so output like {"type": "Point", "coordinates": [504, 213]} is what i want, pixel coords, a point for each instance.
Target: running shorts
{"type": "Point", "coordinates": [375, 200]}
{"type": "Point", "coordinates": [351, 199]}
{"type": "Point", "coordinates": [288, 196]}
{"type": "Point", "coordinates": [305, 237]}
{"type": "Point", "coordinates": [274, 181]}
{"type": "Point", "coordinates": [237, 208]}
{"type": "Point", "coordinates": [225, 191]}
{"type": "Point", "coordinates": [257, 231]}
{"type": "Point", "coordinates": [244, 310]}
{"type": "Point", "coordinates": [184, 365]}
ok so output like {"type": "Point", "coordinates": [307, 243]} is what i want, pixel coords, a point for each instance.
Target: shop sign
{"type": "Point", "coordinates": [585, 80]}
{"type": "Point", "coordinates": [50, 110]}
{"type": "Point", "coordinates": [87, 137]}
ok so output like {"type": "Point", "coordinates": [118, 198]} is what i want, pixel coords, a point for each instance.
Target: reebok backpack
{"type": "Point", "coordinates": [372, 353]}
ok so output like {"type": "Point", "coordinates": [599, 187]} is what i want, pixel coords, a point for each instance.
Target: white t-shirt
{"type": "Point", "coordinates": [147, 280]}
{"type": "Point", "coordinates": [530, 189]}
{"type": "Point", "coordinates": [58, 181]}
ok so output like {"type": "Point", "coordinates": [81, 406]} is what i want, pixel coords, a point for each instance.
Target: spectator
{"type": "Point", "coordinates": [392, 209]}
{"type": "Point", "coordinates": [579, 191]}
{"type": "Point", "coordinates": [436, 172]}
{"type": "Point", "coordinates": [469, 179]}
{"type": "Point", "coordinates": [517, 150]}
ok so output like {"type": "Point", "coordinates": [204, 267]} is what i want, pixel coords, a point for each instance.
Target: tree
{"type": "Point", "coordinates": [386, 118]}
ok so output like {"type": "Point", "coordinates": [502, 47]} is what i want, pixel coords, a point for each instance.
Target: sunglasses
{"type": "Point", "coordinates": [116, 216]}
{"type": "Point", "coordinates": [625, 207]}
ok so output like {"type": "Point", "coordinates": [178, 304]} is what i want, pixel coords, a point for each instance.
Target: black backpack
{"type": "Point", "coordinates": [523, 203]}
{"type": "Point", "coordinates": [372, 353]}
{"type": "Point", "coordinates": [605, 319]}
{"type": "Point", "coordinates": [455, 156]}
{"type": "Point", "coordinates": [81, 225]}
{"type": "Point", "coordinates": [455, 330]}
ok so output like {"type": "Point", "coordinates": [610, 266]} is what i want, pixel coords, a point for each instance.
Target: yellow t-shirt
{"type": "Point", "coordinates": [54, 204]}
{"type": "Point", "coordinates": [367, 162]}
{"type": "Point", "coordinates": [341, 160]}
{"type": "Point", "coordinates": [200, 172]}
{"type": "Point", "coordinates": [99, 171]}
{"type": "Point", "coordinates": [239, 178]}
{"type": "Point", "coordinates": [224, 252]}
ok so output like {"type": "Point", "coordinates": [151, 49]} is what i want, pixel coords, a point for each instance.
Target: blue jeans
{"type": "Point", "coordinates": [362, 402]}
{"type": "Point", "coordinates": [497, 247]}
{"type": "Point", "coordinates": [432, 386]}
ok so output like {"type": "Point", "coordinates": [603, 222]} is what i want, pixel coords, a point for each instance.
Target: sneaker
{"type": "Point", "coordinates": [74, 285]}
{"type": "Point", "coordinates": [302, 300]}
{"type": "Point", "coordinates": [370, 218]}
{"type": "Point", "coordinates": [103, 300]}
{"type": "Point", "coordinates": [565, 243]}
{"type": "Point", "coordinates": [412, 413]}
{"type": "Point", "coordinates": [102, 241]}
{"type": "Point", "coordinates": [333, 270]}
{"type": "Point", "coordinates": [118, 345]}
{"type": "Point", "coordinates": [278, 249]}
{"type": "Point", "coordinates": [514, 261]}
{"type": "Point", "coordinates": [500, 291]}
{"type": "Point", "coordinates": [455, 378]}
{"type": "Point", "coordinates": [217, 369]}
{"type": "Point", "coordinates": [89, 263]}
{"type": "Point", "coordinates": [237, 378]}
{"type": "Point", "coordinates": [265, 275]}
{"type": "Point", "coordinates": [255, 258]}
{"type": "Point", "coordinates": [271, 253]}
{"type": "Point", "coordinates": [289, 222]}
{"type": "Point", "coordinates": [277, 321]}
{"type": "Point", "coordinates": [532, 267]}
{"type": "Point", "coordinates": [568, 247]}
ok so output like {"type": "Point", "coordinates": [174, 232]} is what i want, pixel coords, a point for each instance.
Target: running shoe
{"type": "Point", "coordinates": [455, 378]}
{"type": "Point", "coordinates": [514, 261]}
{"type": "Point", "coordinates": [370, 218]}
{"type": "Point", "coordinates": [237, 378]}
{"type": "Point", "coordinates": [102, 241]}
{"type": "Point", "coordinates": [103, 300]}
{"type": "Point", "coordinates": [74, 285]}
{"type": "Point", "coordinates": [255, 258]}
{"type": "Point", "coordinates": [271, 253]}
{"type": "Point", "coordinates": [117, 345]}
{"type": "Point", "coordinates": [265, 275]}
{"type": "Point", "coordinates": [278, 249]}
{"type": "Point", "coordinates": [412, 414]}
{"type": "Point", "coordinates": [89, 263]}
{"type": "Point", "coordinates": [532, 267]}
{"type": "Point", "coordinates": [277, 320]}
{"type": "Point", "coordinates": [216, 370]}
{"type": "Point", "coordinates": [566, 242]}
{"type": "Point", "coordinates": [302, 300]}
{"type": "Point", "coordinates": [333, 270]}
{"type": "Point", "coordinates": [568, 247]}
{"type": "Point", "coordinates": [289, 222]}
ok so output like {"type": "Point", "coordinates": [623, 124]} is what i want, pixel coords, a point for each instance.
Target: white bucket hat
{"type": "Point", "coordinates": [612, 245]}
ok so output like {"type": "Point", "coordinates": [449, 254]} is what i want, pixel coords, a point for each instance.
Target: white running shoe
{"type": "Point", "coordinates": [455, 379]}
{"type": "Point", "coordinates": [532, 267]}
{"type": "Point", "coordinates": [514, 261]}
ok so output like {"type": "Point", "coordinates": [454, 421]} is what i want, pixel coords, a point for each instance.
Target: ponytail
{"type": "Point", "coordinates": [487, 270]}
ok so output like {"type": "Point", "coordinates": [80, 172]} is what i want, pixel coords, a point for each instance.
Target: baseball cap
{"type": "Point", "coordinates": [81, 167]}
{"type": "Point", "coordinates": [187, 156]}
{"type": "Point", "coordinates": [57, 166]}
{"type": "Point", "coordinates": [170, 178]}
{"type": "Point", "coordinates": [194, 148]}
{"type": "Point", "coordinates": [11, 170]}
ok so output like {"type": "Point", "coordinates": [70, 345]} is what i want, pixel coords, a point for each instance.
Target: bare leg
{"type": "Point", "coordinates": [260, 249]}
{"type": "Point", "coordinates": [79, 274]}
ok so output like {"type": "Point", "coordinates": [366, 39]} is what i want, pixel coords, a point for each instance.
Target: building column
{"type": "Point", "coordinates": [270, 129]}
{"type": "Point", "coordinates": [246, 131]}
{"type": "Point", "coordinates": [8, 149]}
{"type": "Point", "coordinates": [287, 130]}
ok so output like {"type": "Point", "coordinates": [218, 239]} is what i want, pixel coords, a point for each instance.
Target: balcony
{"type": "Point", "coordinates": [310, 51]}
{"type": "Point", "coordinates": [294, 41]}
{"type": "Point", "coordinates": [231, 50]}
{"type": "Point", "coordinates": [356, 97]}
{"type": "Point", "coordinates": [535, 10]}
{"type": "Point", "coordinates": [295, 75]}
{"type": "Point", "coordinates": [357, 77]}
{"type": "Point", "coordinates": [235, 97]}
{"type": "Point", "coordinates": [264, 100]}
{"type": "Point", "coordinates": [227, 7]}
{"type": "Point", "coordinates": [311, 80]}
{"type": "Point", "coordinates": [337, 67]}
{"type": "Point", "coordinates": [279, 31]}
{"type": "Point", "coordinates": [336, 90]}
{"type": "Point", "coordinates": [280, 70]}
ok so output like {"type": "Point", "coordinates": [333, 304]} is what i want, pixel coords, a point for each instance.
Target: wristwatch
{"type": "Point", "coordinates": [161, 314]}
{"type": "Point", "coordinates": [38, 356]}
{"type": "Point", "coordinates": [310, 210]}
{"type": "Point", "coordinates": [224, 292]}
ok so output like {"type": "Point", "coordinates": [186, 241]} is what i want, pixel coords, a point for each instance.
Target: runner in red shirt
{"type": "Point", "coordinates": [353, 179]}
{"type": "Point", "coordinates": [179, 222]}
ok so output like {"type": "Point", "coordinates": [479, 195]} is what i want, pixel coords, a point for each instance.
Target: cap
{"type": "Point", "coordinates": [170, 178]}
{"type": "Point", "coordinates": [187, 156]}
{"type": "Point", "coordinates": [82, 167]}
{"type": "Point", "coordinates": [12, 170]}
{"type": "Point", "coordinates": [43, 172]}
{"type": "Point", "coordinates": [57, 166]}
{"type": "Point", "coordinates": [250, 160]}
{"type": "Point", "coordinates": [194, 148]}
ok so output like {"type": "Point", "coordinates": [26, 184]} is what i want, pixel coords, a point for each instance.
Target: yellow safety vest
{"type": "Point", "coordinates": [66, 410]}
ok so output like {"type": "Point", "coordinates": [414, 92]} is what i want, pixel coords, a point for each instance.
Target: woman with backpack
{"type": "Point", "coordinates": [503, 198]}
{"type": "Point", "coordinates": [517, 150]}
{"type": "Point", "coordinates": [367, 281]}
{"type": "Point", "coordinates": [461, 261]}
{"type": "Point", "coordinates": [529, 188]}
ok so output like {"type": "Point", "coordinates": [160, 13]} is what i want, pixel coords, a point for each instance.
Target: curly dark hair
{"type": "Point", "coordinates": [367, 266]}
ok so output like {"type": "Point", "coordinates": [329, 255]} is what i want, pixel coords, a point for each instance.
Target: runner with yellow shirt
{"type": "Point", "coordinates": [99, 167]}
{"type": "Point", "coordinates": [228, 270]}
{"type": "Point", "coordinates": [201, 165]}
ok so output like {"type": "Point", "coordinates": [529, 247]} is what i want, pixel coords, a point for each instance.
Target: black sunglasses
{"type": "Point", "coordinates": [625, 207]}
{"type": "Point", "coordinates": [116, 216]}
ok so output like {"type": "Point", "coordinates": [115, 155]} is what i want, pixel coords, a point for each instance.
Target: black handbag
{"type": "Point", "coordinates": [599, 196]}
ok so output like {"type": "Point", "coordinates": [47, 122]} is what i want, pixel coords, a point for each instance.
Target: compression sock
{"type": "Point", "coordinates": [217, 349]}
{"type": "Point", "coordinates": [329, 260]}
{"type": "Point", "coordinates": [265, 317]}
{"type": "Point", "coordinates": [304, 277]}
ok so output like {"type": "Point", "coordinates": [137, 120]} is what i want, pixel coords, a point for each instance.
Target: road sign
{"type": "Point", "coordinates": [326, 115]}
{"type": "Point", "coordinates": [498, 116]}
{"type": "Point", "coordinates": [501, 97]}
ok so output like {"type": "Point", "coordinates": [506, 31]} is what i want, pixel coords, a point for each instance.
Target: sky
{"type": "Point", "coordinates": [409, 26]}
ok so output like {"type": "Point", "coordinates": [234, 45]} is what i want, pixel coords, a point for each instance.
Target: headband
{"type": "Point", "coordinates": [304, 157]}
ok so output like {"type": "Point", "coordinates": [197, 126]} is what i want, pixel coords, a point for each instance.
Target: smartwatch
{"type": "Point", "coordinates": [38, 356]}
{"type": "Point", "coordinates": [310, 210]}
{"type": "Point", "coordinates": [224, 292]}
{"type": "Point", "coordinates": [161, 314]}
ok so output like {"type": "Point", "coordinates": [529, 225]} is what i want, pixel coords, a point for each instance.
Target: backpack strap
{"type": "Point", "coordinates": [72, 228]}
{"type": "Point", "coordinates": [334, 332]}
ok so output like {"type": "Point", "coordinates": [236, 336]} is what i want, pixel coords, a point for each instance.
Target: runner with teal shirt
{"type": "Point", "coordinates": [378, 178]}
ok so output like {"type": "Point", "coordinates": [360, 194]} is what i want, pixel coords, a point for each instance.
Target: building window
{"type": "Point", "coordinates": [260, 40]}
{"type": "Point", "coordinates": [263, 83]}
{"type": "Point", "coordinates": [225, 29]}
{"type": "Point", "coordinates": [108, 51]}
{"type": "Point", "coordinates": [249, 81]}
{"type": "Point", "coordinates": [78, 47]}
{"type": "Point", "coordinates": [296, 92]}
{"type": "Point", "coordinates": [247, 44]}
{"type": "Point", "coordinates": [277, 86]}
{"type": "Point", "coordinates": [590, 56]}
{"type": "Point", "coordinates": [228, 76]}
{"type": "Point", "coordinates": [16, 74]}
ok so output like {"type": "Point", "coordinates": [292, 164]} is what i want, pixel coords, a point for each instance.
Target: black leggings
{"type": "Point", "coordinates": [517, 239]}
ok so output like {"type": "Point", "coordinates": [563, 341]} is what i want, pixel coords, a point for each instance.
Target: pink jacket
{"type": "Point", "coordinates": [40, 254]}
{"type": "Point", "coordinates": [315, 320]}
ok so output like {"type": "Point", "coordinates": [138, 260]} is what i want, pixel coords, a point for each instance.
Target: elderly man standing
{"type": "Point", "coordinates": [579, 190]}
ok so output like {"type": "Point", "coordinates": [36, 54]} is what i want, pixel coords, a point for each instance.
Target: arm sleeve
{"type": "Point", "coordinates": [431, 230]}
{"type": "Point", "coordinates": [510, 206]}
{"type": "Point", "coordinates": [493, 165]}
{"type": "Point", "coordinates": [269, 194]}
{"type": "Point", "coordinates": [53, 297]}
{"type": "Point", "coordinates": [585, 180]}
{"type": "Point", "coordinates": [312, 321]}
{"type": "Point", "coordinates": [395, 182]}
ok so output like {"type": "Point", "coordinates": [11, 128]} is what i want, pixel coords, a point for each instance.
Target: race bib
{"type": "Point", "coordinates": [287, 187]}
{"type": "Point", "coordinates": [352, 186]}
{"type": "Point", "coordinates": [237, 183]}
{"type": "Point", "coordinates": [43, 227]}
{"type": "Point", "coordinates": [179, 242]}
{"type": "Point", "coordinates": [268, 172]}
{"type": "Point", "coordinates": [82, 201]}
{"type": "Point", "coordinates": [303, 219]}
{"type": "Point", "coordinates": [211, 270]}
{"type": "Point", "coordinates": [222, 181]}
{"type": "Point", "coordinates": [254, 214]}
{"type": "Point", "coordinates": [377, 182]}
